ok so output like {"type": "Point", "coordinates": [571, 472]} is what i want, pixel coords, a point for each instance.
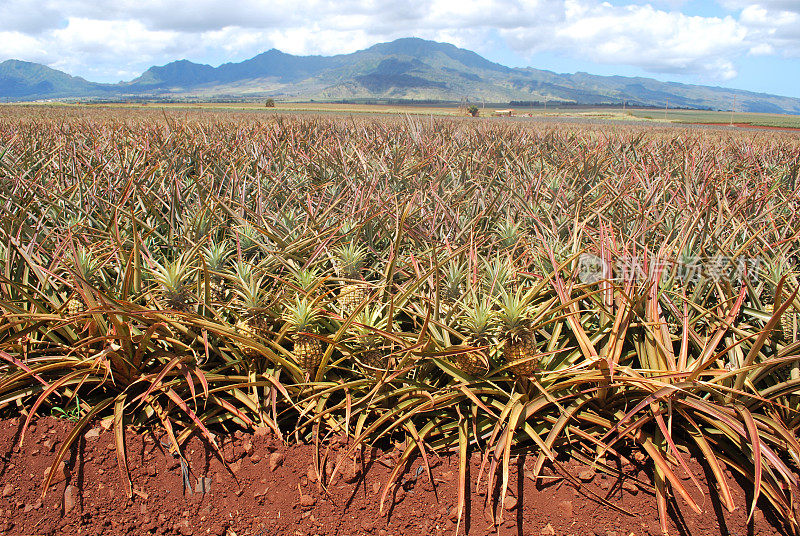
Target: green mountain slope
{"type": "Point", "coordinates": [25, 80]}
{"type": "Point", "coordinates": [408, 68]}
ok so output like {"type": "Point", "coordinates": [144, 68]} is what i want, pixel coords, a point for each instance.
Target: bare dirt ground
{"type": "Point", "coordinates": [269, 488]}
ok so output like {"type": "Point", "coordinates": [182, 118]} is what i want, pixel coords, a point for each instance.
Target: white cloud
{"type": "Point", "coordinates": [655, 40]}
{"type": "Point", "coordinates": [15, 44]}
{"type": "Point", "coordinates": [762, 49]}
{"type": "Point", "coordinates": [775, 24]}
{"type": "Point", "coordinates": [127, 36]}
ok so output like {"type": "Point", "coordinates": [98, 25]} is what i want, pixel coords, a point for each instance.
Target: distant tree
{"type": "Point", "coordinates": [473, 110]}
{"type": "Point", "coordinates": [270, 103]}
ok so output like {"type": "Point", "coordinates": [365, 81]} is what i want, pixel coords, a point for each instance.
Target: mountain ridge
{"type": "Point", "coordinates": [404, 69]}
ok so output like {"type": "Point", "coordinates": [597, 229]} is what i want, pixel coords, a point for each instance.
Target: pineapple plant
{"type": "Point", "coordinates": [86, 270]}
{"type": "Point", "coordinates": [370, 346]}
{"type": "Point", "coordinates": [785, 329]}
{"type": "Point", "coordinates": [174, 292]}
{"type": "Point", "coordinates": [519, 339]}
{"type": "Point", "coordinates": [251, 298]}
{"type": "Point", "coordinates": [349, 262]}
{"type": "Point", "coordinates": [375, 234]}
{"type": "Point", "coordinates": [305, 281]}
{"type": "Point", "coordinates": [497, 277]}
{"type": "Point", "coordinates": [509, 234]}
{"type": "Point", "coordinates": [477, 323]}
{"type": "Point", "coordinates": [289, 225]}
{"type": "Point", "coordinates": [248, 237]}
{"type": "Point", "coordinates": [216, 257]}
{"type": "Point", "coordinates": [197, 223]}
{"type": "Point", "coordinates": [302, 319]}
{"type": "Point", "coordinates": [453, 283]}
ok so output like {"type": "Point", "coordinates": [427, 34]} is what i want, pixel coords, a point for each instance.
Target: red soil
{"type": "Point", "coordinates": [89, 497]}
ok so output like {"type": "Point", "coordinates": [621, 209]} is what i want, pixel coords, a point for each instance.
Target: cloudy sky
{"type": "Point", "coordinates": [735, 43]}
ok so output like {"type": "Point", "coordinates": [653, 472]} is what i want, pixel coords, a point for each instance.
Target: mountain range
{"type": "Point", "coordinates": [408, 68]}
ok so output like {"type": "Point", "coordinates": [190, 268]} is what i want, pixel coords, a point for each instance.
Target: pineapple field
{"type": "Point", "coordinates": [554, 304]}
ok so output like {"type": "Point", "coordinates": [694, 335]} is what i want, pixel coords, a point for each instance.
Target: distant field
{"type": "Point", "coordinates": [697, 116]}
{"type": "Point", "coordinates": [672, 116]}
{"type": "Point", "coordinates": [588, 113]}
{"type": "Point", "coordinates": [281, 107]}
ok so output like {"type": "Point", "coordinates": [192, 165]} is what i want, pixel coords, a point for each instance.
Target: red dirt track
{"type": "Point", "coordinates": [271, 490]}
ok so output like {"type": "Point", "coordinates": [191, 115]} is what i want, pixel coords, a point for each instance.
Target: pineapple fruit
{"type": "Point", "coordinates": [349, 262]}
{"type": "Point", "coordinates": [302, 320]}
{"type": "Point", "coordinates": [75, 305]}
{"type": "Point", "coordinates": [351, 296]}
{"type": "Point", "coordinates": [786, 325]}
{"type": "Point", "coordinates": [478, 324]}
{"type": "Point", "coordinates": [519, 339]}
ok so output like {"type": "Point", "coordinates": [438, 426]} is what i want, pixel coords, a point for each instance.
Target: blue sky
{"type": "Point", "coordinates": [731, 43]}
